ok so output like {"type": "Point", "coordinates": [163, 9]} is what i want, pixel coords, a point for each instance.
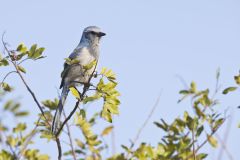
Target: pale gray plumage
{"type": "Point", "coordinates": [86, 52]}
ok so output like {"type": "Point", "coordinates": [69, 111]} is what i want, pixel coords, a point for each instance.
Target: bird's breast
{"type": "Point", "coordinates": [85, 57]}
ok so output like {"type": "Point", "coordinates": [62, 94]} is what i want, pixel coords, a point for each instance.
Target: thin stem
{"type": "Point", "coordinates": [8, 75]}
{"type": "Point", "coordinates": [23, 60]}
{"type": "Point", "coordinates": [113, 141]}
{"type": "Point", "coordinates": [28, 140]}
{"type": "Point", "coordinates": [193, 139]}
{"type": "Point", "coordinates": [145, 123]}
{"type": "Point", "coordinates": [70, 138]}
{"type": "Point", "coordinates": [224, 141]}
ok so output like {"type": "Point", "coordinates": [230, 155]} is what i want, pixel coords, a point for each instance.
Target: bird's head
{"type": "Point", "coordinates": [92, 34]}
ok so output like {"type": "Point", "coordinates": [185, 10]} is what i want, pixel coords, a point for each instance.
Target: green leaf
{"type": "Point", "coordinates": [190, 123]}
{"type": "Point", "coordinates": [199, 113]}
{"type": "Point", "coordinates": [20, 127]}
{"type": "Point", "coordinates": [40, 57]}
{"type": "Point", "coordinates": [12, 141]}
{"type": "Point", "coordinates": [90, 65]}
{"type": "Point", "coordinates": [106, 115]}
{"type": "Point", "coordinates": [14, 108]}
{"type": "Point", "coordinates": [164, 127]}
{"type": "Point", "coordinates": [46, 134]}
{"type": "Point", "coordinates": [20, 68]}
{"type": "Point", "coordinates": [107, 130]}
{"type": "Point", "coordinates": [52, 105]}
{"type": "Point", "coordinates": [229, 89]}
{"type": "Point", "coordinates": [103, 71]}
{"type": "Point", "coordinates": [218, 123]}
{"type": "Point", "coordinates": [184, 92]}
{"type": "Point", "coordinates": [212, 141]}
{"type": "Point", "coordinates": [108, 110]}
{"type": "Point", "coordinates": [5, 155]}
{"type": "Point", "coordinates": [108, 73]}
{"type": "Point", "coordinates": [201, 156]}
{"type": "Point", "coordinates": [205, 101]}
{"type": "Point", "coordinates": [237, 79]}
{"type": "Point", "coordinates": [199, 131]}
{"type": "Point", "coordinates": [91, 138]}
{"type": "Point", "coordinates": [83, 113]}
{"type": "Point", "coordinates": [80, 143]}
{"type": "Point", "coordinates": [38, 53]}
{"type": "Point", "coordinates": [21, 114]}
{"type": "Point", "coordinates": [32, 51]}
{"type": "Point", "coordinates": [91, 98]}
{"type": "Point", "coordinates": [71, 61]}
{"type": "Point", "coordinates": [75, 92]}
{"type": "Point", "coordinates": [4, 62]}
{"type": "Point", "coordinates": [21, 48]}
{"type": "Point", "coordinates": [193, 87]}
{"type": "Point", "coordinates": [8, 105]}
{"type": "Point", "coordinates": [126, 148]}
{"type": "Point", "coordinates": [185, 116]}
{"type": "Point", "coordinates": [6, 87]}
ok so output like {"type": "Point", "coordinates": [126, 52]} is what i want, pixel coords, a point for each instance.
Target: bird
{"type": "Point", "coordinates": [86, 52]}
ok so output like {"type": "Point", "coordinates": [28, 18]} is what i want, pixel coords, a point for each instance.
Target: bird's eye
{"type": "Point", "coordinates": [92, 32]}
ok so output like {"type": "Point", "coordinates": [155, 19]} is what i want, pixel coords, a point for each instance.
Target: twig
{"type": "Point", "coordinates": [67, 119]}
{"type": "Point", "coordinates": [205, 141]}
{"type": "Point", "coordinates": [70, 138]}
{"type": "Point", "coordinates": [223, 147]}
{"type": "Point", "coordinates": [145, 122]}
{"type": "Point", "coordinates": [193, 139]}
{"type": "Point", "coordinates": [182, 81]}
{"type": "Point", "coordinates": [8, 75]}
{"type": "Point", "coordinates": [113, 142]}
{"type": "Point", "coordinates": [28, 140]}
{"type": "Point", "coordinates": [229, 155]}
{"type": "Point", "coordinates": [23, 60]}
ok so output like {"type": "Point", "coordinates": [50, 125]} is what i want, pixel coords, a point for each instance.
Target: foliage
{"type": "Point", "coordinates": [234, 88]}
{"type": "Point", "coordinates": [183, 138]}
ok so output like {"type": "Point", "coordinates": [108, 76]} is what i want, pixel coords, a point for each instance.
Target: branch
{"type": "Point", "coordinates": [67, 119]}
{"type": "Point", "coordinates": [23, 80]}
{"type": "Point", "coordinates": [59, 148]}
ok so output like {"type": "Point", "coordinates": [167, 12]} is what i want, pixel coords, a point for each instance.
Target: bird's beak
{"type": "Point", "coordinates": [100, 34]}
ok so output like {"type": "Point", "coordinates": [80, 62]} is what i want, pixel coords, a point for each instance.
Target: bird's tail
{"type": "Point", "coordinates": [57, 117]}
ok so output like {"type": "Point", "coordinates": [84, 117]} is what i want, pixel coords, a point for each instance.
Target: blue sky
{"type": "Point", "coordinates": [148, 44]}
